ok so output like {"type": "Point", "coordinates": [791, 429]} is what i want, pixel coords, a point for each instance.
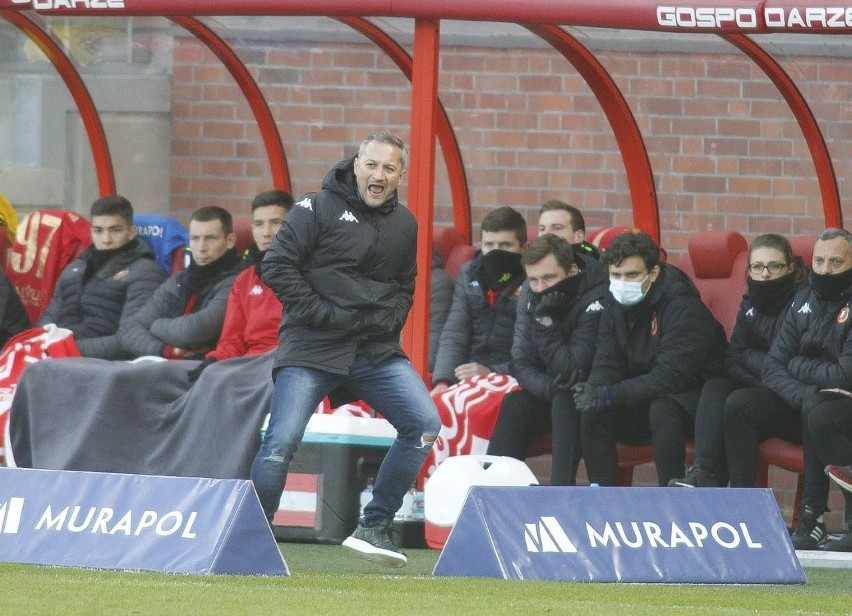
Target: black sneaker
{"type": "Point", "coordinates": [809, 534]}
{"type": "Point", "coordinates": [843, 544]}
{"type": "Point", "coordinates": [696, 477]}
{"type": "Point", "coordinates": [374, 544]}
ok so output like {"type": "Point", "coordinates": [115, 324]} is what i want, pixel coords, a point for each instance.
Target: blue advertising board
{"type": "Point", "coordinates": [135, 522]}
{"type": "Point", "coordinates": [670, 535]}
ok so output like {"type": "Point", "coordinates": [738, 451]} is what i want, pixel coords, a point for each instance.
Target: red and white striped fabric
{"type": "Point", "coordinates": [26, 348]}
{"type": "Point", "coordinates": [468, 412]}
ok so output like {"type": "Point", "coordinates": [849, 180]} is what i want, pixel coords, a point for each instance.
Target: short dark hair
{"type": "Point", "coordinates": [578, 223]}
{"type": "Point", "coordinates": [506, 219]}
{"type": "Point", "coordinates": [214, 212]}
{"type": "Point", "coordinates": [549, 244]}
{"type": "Point", "coordinates": [113, 205]}
{"type": "Point", "coordinates": [632, 244]}
{"type": "Point", "coordinates": [273, 197]}
{"type": "Point", "coordinates": [385, 136]}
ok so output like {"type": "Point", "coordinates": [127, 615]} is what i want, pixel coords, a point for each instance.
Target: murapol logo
{"type": "Point", "coordinates": [547, 536]}
{"type": "Point", "coordinates": [10, 515]}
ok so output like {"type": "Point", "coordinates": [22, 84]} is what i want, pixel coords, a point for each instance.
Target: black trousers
{"type": "Point", "coordinates": [710, 426]}
{"type": "Point", "coordinates": [752, 415]}
{"type": "Point", "coordinates": [827, 440]}
{"type": "Point", "coordinates": [524, 417]}
{"type": "Point", "coordinates": [667, 421]}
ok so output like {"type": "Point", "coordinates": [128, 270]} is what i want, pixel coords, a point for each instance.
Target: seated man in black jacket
{"type": "Point", "coordinates": [477, 337]}
{"type": "Point", "coordinates": [810, 367]}
{"type": "Point", "coordinates": [555, 334]}
{"type": "Point", "coordinates": [184, 316]}
{"type": "Point", "coordinates": [657, 344]}
{"type": "Point", "coordinates": [98, 294]}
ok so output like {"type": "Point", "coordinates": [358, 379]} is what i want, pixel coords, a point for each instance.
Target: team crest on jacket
{"type": "Point", "coordinates": [654, 324]}
{"type": "Point", "coordinates": [843, 315]}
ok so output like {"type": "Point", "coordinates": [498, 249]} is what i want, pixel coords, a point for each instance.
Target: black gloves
{"type": "Point", "coordinates": [549, 308]}
{"type": "Point", "coordinates": [196, 372]}
{"type": "Point", "coordinates": [563, 383]}
{"type": "Point", "coordinates": [591, 398]}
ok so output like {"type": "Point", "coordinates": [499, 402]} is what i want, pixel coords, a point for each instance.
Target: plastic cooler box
{"type": "Point", "coordinates": [446, 489]}
{"type": "Point", "coordinates": [337, 456]}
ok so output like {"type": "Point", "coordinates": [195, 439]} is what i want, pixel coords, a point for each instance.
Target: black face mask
{"type": "Point", "coordinates": [569, 286]}
{"type": "Point", "coordinates": [771, 296]}
{"type": "Point", "coordinates": [831, 286]}
{"type": "Point", "coordinates": [500, 268]}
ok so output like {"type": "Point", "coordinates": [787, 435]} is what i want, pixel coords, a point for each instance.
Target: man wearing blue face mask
{"type": "Point", "coordinates": [657, 344]}
{"type": "Point", "coordinates": [555, 333]}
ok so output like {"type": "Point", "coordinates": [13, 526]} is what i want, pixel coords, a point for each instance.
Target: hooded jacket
{"type": "Point", "coordinates": [813, 349]}
{"type": "Point", "coordinates": [666, 344]}
{"type": "Point", "coordinates": [440, 301]}
{"type": "Point", "coordinates": [539, 355]}
{"type": "Point", "coordinates": [345, 272]}
{"type": "Point", "coordinates": [96, 305]}
{"type": "Point", "coordinates": [475, 331]}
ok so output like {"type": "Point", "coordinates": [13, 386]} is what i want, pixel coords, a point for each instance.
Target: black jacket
{"type": "Point", "coordinates": [13, 316]}
{"type": "Point", "coordinates": [345, 273]}
{"type": "Point", "coordinates": [813, 349]}
{"type": "Point", "coordinates": [668, 343]}
{"type": "Point", "coordinates": [440, 301]}
{"type": "Point", "coordinates": [540, 354]}
{"type": "Point", "coordinates": [475, 331]}
{"type": "Point", "coordinates": [96, 305]}
{"type": "Point", "coordinates": [751, 339]}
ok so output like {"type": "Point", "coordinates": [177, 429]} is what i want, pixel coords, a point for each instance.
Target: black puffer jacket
{"type": "Point", "coordinates": [813, 349]}
{"type": "Point", "coordinates": [475, 331]}
{"type": "Point", "coordinates": [95, 306]}
{"type": "Point", "coordinates": [440, 300]}
{"type": "Point", "coordinates": [345, 272]}
{"type": "Point", "coordinates": [163, 320]}
{"type": "Point", "coordinates": [668, 343]}
{"type": "Point", "coordinates": [13, 316]}
{"type": "Point", "coordinates": [751, 339]}
{"type": "Point", "coordinates": [539, 355]}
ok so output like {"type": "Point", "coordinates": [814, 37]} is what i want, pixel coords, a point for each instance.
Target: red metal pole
{"type": "Point", "coordinates": [421, 179]}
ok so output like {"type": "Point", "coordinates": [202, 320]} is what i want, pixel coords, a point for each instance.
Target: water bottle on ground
{"type": "Point", "coordinates": [366, 497]}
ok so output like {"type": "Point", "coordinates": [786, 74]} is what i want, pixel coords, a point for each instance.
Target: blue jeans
{"type": "Point", "coordinates": [393, 389]}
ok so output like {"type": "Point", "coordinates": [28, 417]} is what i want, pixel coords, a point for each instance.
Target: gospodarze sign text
{"type": "Point", "coordinates": [138, 522]}
{"type": "Point", "coordinates": [622, 534]}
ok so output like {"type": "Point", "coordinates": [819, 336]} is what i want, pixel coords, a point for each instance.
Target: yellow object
{"type": "Point", "coordinates": [8, 218]}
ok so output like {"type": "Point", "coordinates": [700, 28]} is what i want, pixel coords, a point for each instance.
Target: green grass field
{"type": "Point", "coordinates": [329, 580]}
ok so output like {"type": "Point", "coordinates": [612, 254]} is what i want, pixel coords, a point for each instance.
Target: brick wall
{"type": "Point", "coordinates": [724, 148]}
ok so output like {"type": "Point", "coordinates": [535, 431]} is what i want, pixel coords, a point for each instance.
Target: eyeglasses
{"type": "Point", "coordinates": [774, 268]}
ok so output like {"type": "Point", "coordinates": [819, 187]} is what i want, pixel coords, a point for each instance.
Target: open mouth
{"type": "Point", "coordinates": [376, 189]}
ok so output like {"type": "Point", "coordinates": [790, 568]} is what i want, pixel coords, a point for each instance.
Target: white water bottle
{"type": "Point", "coordinates": [366, 497]}
{"type": "Point", "coordinates": [404, 513]}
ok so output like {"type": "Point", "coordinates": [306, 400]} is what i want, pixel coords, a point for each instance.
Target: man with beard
{"type": "Point", "coordinates": [343, 264]}
{"type": "Point", "coordinates": [810, 367]}
{"type": "Point", "coordinates": [253, 312]}
{"type": "Point", "coordinates": [184, 316]}
{"type": "Point", "coordinates": [657, 344]}
{"type": "Point", "coordinates": [98, 295]}
{"type": "Point", "coordinates": [477, 337]}
{"type": "Point", "coordinates": [554, 343]}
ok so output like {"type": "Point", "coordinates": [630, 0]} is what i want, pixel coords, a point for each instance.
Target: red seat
{"type": "Point", "coordinates": [803, 246]}
{"type": "Point", "coordinates": [445, 238]}
{"type": "Point", "coordinates": [716, 261]}
{"type": "Point", "coordinates": [459, 255]}
{"type": "Point", "coordinates": [788, 456]}
{"type": "Point", "coordinates": [601, 238]}
{"type": "Point", "coordinates": [242, 229]}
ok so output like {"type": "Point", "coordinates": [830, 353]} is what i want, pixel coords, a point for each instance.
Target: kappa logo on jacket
{"type": "Point", "coordinates": [805, 309]}
{"type": "Point", "coordinates": [750, 312]}
{"type": "Point", "coordinates": [348, 216]}
{"type": "Point", "coordinates": [306, 203]}
{"type": "Point", "coordinates": [595, 306]}
{"type": "Point", "coordinates": [256, 290]}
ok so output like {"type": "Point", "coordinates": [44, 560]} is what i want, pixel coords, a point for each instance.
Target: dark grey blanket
{"type": "Point", "coordinates": [142, 418]}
